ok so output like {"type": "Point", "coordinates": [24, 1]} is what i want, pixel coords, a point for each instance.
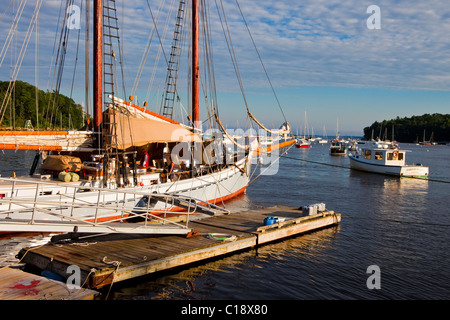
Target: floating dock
{"type": "Point", "coordinates": [107, 259]}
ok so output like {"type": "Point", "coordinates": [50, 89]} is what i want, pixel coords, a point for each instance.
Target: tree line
{"type": "Point", "coordinates": [435, 127]}
{"type": "Point", "coordinates": [54, 110]}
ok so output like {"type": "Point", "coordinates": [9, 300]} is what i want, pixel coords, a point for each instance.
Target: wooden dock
{"type": "Point", "coordinates": [16, 284]}
{"type": "Point", "coordinates": [107, 259]}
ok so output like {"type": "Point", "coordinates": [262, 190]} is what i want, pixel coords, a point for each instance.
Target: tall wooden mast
{"type": "Point", "coordinates": [98, 64]}
{"type": "Point", "coordinates": [195, 67]}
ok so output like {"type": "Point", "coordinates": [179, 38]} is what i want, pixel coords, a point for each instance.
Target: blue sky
{"type": "Point", "coordinates": [320, 56]}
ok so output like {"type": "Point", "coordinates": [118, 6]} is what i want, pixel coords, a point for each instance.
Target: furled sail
{"type": "Point", "coordinates": [131, 131]}
{"type": "Point", "coordinates": [284, 129]}
{"type": "Point", "coordinates": [228, 135]}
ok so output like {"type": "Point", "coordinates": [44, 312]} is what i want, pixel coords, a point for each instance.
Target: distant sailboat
{"type": "Point", "coordinates": [303, 142]}
{"type": "Point", "coordinates": [429, 142]}
{"type": "Point", "coordinates": [324, 138]}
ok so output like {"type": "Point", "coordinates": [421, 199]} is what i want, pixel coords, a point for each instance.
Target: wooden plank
{"type": "Point", "coordinates": [19, 285]}
{"type": "Point", "coordinates": [183, 259]}
{"type": "Point", "coordinates": [314, 223]}
{"type": "Point", "coordinates": [295, 221]}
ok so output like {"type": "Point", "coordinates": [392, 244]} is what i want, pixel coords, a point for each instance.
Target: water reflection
{"type": "Point", "coordinates": [392, 195]}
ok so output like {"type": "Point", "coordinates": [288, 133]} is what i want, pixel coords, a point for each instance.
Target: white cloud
{"type": "Point", "coordinates": [330, 38]}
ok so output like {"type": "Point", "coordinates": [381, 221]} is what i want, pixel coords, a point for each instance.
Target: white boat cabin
{"type": "Point", "coordinates": [388, 157]}
{"type": "Point", "coordinates": [381, 153]}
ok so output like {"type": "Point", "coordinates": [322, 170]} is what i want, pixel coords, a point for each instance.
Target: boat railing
{"type": "Point", "coordinates": [90, 209]}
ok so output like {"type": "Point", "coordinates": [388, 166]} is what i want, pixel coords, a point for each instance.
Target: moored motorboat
{"type": "Point", "coordinates": [385, 158]}
{"type": "Point", "coordinates": [302, 143]}
{"type": "Point", "coordinates": [337, 148]}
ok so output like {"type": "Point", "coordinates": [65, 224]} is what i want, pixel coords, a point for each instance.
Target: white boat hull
{"type": "Point", "coordinates": [400, 171]}
{"type": "Point", "coordinates": [28, 202]}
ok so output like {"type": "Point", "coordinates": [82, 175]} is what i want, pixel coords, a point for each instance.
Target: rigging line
{"type": "Point", "coordinates": [157, 33]}
{"type": "Point", "coordinates": [22, 52]}
{"type": "Point", "coordinates": [211, 56]}
{"type": "Point", "coordinates": [260, 59]}
{"type": "Point", "coordinates": [120, 45]}
{"type": "Point", "coordinates": [75, 65]}
{"type": "Point", "coordinates": [161, 50]}
{"type": "Point", "coordinates": [12, 30]}
{"type": "Point", "coordinates": [231, 50]}
{"type": "Point", "coordinates": [204, 79]}
{"type": "Point", "coordinates": [144, 57]}
{"type": "Point", "coordinates": [59, 63]}
{"type": "Point", "coordinates": [171, 84]}
{"type": "Point", "coordinates": [209, 61]}
{"type": "Point", "coordinates": [10, 1]}
{"type": "Point", "coordinates": [51, 62]}
{"type": "Point", "coordinates": [271, 164]}
{"type": "Point", "coordinates": [316, 162]}
{"type": "Point", "coordinates": [10, 36]}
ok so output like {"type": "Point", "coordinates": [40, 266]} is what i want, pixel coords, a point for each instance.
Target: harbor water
{"type": "Point", "coordinates": [399, 227]}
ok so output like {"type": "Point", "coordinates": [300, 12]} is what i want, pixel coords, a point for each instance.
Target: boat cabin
{"type": "Point", "coordinates": [382, 156]}
{"type": "Point", "coordinates": [337, 147]}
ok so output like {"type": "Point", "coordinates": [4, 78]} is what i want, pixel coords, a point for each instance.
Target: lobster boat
{"type": "Point", "coordinates": [385, 158]}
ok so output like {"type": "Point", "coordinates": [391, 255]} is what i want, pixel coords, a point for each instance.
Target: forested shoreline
{"type": "Point", "coordinates": [428, 127]}
{"type": "Point", "coordinates": [55, 111]}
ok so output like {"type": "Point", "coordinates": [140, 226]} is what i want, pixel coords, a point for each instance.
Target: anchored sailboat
{"type": "Point", "coordinates": [303, 142]}
{"type": "Point", "coordinates": [131, 162]}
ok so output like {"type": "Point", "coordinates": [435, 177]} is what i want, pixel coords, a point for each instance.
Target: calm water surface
{"type": "Point", "coordinates": [400, 225]}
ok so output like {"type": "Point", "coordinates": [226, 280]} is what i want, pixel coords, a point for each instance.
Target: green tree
{"type": "Point", "coordinates": [54, 109]}
{"type": "Point", "coordinates": [412, 129]}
